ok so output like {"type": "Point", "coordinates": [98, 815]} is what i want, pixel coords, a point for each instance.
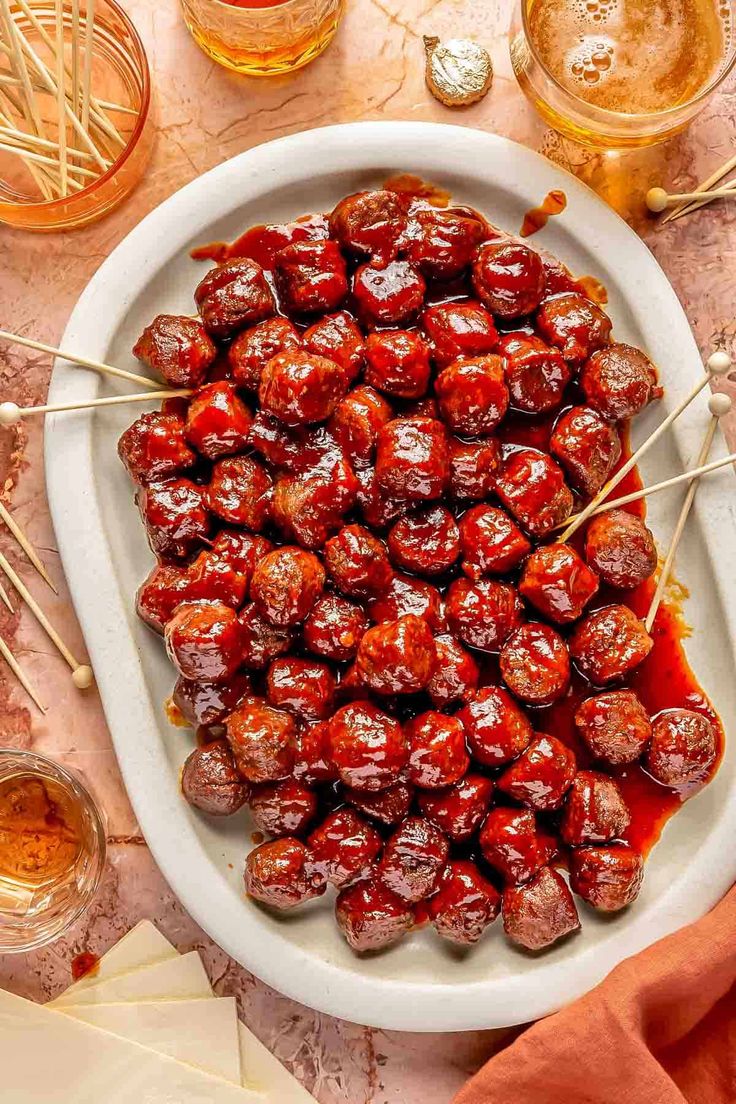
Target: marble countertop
{"type": "Point", "coordinates": [373, 70]}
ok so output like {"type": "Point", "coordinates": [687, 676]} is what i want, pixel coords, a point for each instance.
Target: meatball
{"type": "Point", "coordinates": [155, 446]}
{"type": "Point", "coordinates": [286, 584]}
{"type": "Point", "coordinates": [404, 596]}
{"type": "Point", "coordinates": [283, 808]}
{"type": "Point", "coordinates": [367, 746]}
{"type": "Point", "coordinates": [210, 780]}
{"type": "Point", "coordinates": [472, 394]}
{"type": "Point", "coordinates": [473, 465]}
{"type": "Point", "coordinates": [536, 376]}
{"type": "Point", "coordinates": [345, 847]}
{"type": "Point", "coordinates": [542, 774]}
{"type": "Point", "coordinates": [459, 809]}
{"type": "Point", "coordinates": [240, 492]}
{"type": "Point", "coordinates": [208, 703]}
{"type": "Point", "coordinates": [242, 551]}
{"type": "Point", "coordinates": [334, 628]}
{"type": "Point", "coordinates": [217, 575]}
{"type": "Point", "coordinates": [619, 381]}
{"type": "Point", "coordinates": [299, 388]}
{"type": "Point", "coordinates": [303, 686]}
{"type": "Point", "coordinates": [609, 644]}
{"type": "Point", "coordinates": [535, 664]}
{"type": "Point", "coordinates": [496, 728]}
{"type": "Point", "coordinates": [378, 507]}
{"type": "Point", "coordinates": [397, 657]}
{"type": "Point", "coordinates": [262, 641]}
{"type": "Point", "coordinates": [483, 613]}
{"type": "Point", "coordinates": [427, 542]}
{"type": "Point", "coordinates": [413, 859]}
{"type": "Point", "coordinates": [311, 276]}
{"type": "Point", "coordinates": [357, 562]}
{"type": "Point", "coordinates": [388, 806]}
{"type": "Point", "coordinates": [412, 459]}
{"type": "Point", "coordinates": [683, 748]}
{"type": "Point", "coordinates": [557, 582]}
{"type": "Point", "coordinates": [595, 810]}
{"type": "Point", "coordinates": [371, 917]}
{"type": "Point", "coordinates": [615, 726]}
{"type": "Point", "coordinates": [456, 673]}
{"type": "Point", "coordinates": [281, 874]}
{"type": "Point", "coordinates": [621, 548]}
{"type": "Point", "coordinates": [309, 507]}
{"type": "Point", "coordinates": [608, 878]}
{"type": "Point", "coordinates": [165, 588]}
{"type": "Point", "coordinates": [356, 422]}
{"type": "Point", "coordinates": [397, 363]}
{"type": "Point", "coordinates": [262, 740]}
{"type": "Point", "coordinates": [539, 912]}
{"type": "Point", "coordinates": [390, 296]}
{"type": "Point", "coordinates": [370, 223]}
{"type": "Point", "coordinates": [204, 641]}
{"type": "Point", "coordinates": [573, 324]}
{"type": "Point", "coordinates": [508, 278]}
{"type": "Point", "coordinates": [175, 516]}
{"type": "Point", "coordinates": [491, 542]}
{"type": "Point", "coordinates": [513, 844]}
{"type": "Point", "coordinates": [587, 447]}
{"type": "Point", "coordinates": [337, 337]}
{"type": "Point", "coordinates": [465, 903]}
{"type": "Point", "coordinates": [459, 330]}
{"type": "Point", "coordinates": [218, 422]}
{"type": "Point", "coordinates": [532, 487]}
{"type": "Point", "coordinates": [437, 753]}
{"type": "Point", "coordinates": [234, 295]}
{"type": "Point", "coordinates": [178, 348]}
{"type": "Point", "coordinates": [252, 349]}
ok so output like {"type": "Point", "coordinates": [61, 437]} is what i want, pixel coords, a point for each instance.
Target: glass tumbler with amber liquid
{"type": "Point", "coordinates": [621, 73]}
{"type": "Point", "coordinates": [263, 37]}
{"type": "Point", "coordinates": [52, 850]}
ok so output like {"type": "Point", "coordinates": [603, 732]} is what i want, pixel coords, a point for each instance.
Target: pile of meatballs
{"type": "Point", "coordinates": [347, 544]}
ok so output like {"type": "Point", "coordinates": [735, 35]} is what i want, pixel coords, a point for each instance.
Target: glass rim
{"type": "Point", "coordinates": [255, 7]}
{"type": "Point", "coordinates": [723, 71]}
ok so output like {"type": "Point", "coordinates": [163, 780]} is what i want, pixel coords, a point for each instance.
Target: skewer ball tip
{"type": "Point", "coordinates": [656, 200]}
{"type": "Point", "coordinates": [83, 677]}
{"type": "Point", "coordinates": [9, 413]}
{"type": "Point", "coordinates": [718, 363]}
{"type": "Point", "coordinates": [720, 404]}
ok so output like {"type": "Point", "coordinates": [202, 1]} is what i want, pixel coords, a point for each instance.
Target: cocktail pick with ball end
{"type": "Point", "coordinates": [11, 413]}
{"type": "Point", "coordinates": [658, 200]}
{"type": "Point", "coordinates": [20, 674]}
{"type": "Point", "coordinates": [83, 362]}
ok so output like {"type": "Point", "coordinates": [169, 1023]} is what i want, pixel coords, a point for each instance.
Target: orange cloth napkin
{"type": "Point", "coordinates": [661, 1029]}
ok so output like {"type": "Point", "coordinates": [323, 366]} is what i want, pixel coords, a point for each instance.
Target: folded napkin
{"type": "Point", "coordinates": [661, 1029]}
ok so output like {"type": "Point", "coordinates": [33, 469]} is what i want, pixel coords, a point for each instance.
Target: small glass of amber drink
{"type": "Point", "coordinates": [261, 38]}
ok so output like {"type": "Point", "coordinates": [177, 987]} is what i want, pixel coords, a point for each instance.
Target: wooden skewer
{"type": "Point", "coordinates": [12, 134]}
{"type": "Point", "coordinates": [43, 159]}
{"type": "Point", "coordinates": [718, 365]}
{"type": "Point", "coordinates": [10, 412]}
{"type": "Point", "coordinates": [726, 168]}
{"type": "Point", "coordinates": [89, 27]}
{"type": "Point", "coordinates": [19, 673]}
{"type": "Point", "coordinates": [83, 362]}
{"type": "Point", "coordinates": [5, 599]}
{"type": "Point", "coordinates": [657, 199]}
{"type": "Point", "coordinates": [718, 405]}
{"type": "Point", "coordinates": [28, 106]}
{"type": "Point", "coordinates": [25, 544]}
{"type": "Point", "coordinates": [76, 87]}
{"type": "Point", "coordinates": [695, 206]}
{"type": "Point", "coordinates": [105, 105]}
{"type": "Point", "coordinates": [40, 174]}
{"type": "Point", "coordinates": [61, 95]}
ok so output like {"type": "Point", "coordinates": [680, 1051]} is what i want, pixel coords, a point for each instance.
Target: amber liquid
{"type": "Point", "coordinates": [632, 56]}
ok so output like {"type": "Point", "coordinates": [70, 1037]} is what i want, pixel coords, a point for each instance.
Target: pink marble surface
{"type": "Point", "coordinates": [374, 70]}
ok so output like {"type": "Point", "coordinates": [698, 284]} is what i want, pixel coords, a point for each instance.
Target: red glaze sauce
{"type": "Point", "coordinates": [594, 289]}
{"type": "Point", "coordinates": [84, 964]}
{"type": "Point", "coordinates": [262, 243]}
{"type": "Point", "coordinates": [554, 203]}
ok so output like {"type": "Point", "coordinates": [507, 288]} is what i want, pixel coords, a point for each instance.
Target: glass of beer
{"type": "Point", "coordinates": [263, 37]}
{"type": "Point", "coordinates": [621, 73]}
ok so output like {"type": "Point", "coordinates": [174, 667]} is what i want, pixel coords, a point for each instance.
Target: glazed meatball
{"type": "Point", "coordinates": [367, 746]}
{"type": "Point", "coordinates": [397, 657]}
{"type": "Point", "coordinates": [456, 673]}
{"type": "Point", "coordinates": [473, 465]}
{"type": "Point", "coordinates": [405, 595]}
{"type": "Point", "coordinates": [472, 394]}
{"type": "Point", "coordinates": [491, 542]}
{"type": "Point", "coordinates": [536, 375]}
{"type": "Point", "coordinates": [513, 844]}
{"type": "Point", "coordinates": [390, 296]}
{"type": "Point", "coordinates": [210, 780]}
{"type": "Point", "coordinates": [334, 628]}
{"type": "Point", "coordinates": [539, 912]}
{"type": "Point", "coordinates": [208, 703]}
{"type": "Point", "coordinates": [388, 806]}
{"type": "Point", "coordinates": [252, 349]}
{"type": "Point", "coordinates": [215, 576]}
{"type": "Point", "coordinates": [178, 348]}
{"type": "Point", "coordinates": [240, 492]}
{"type": "Point", "coordinates": [508, 278]}
{"type": "Point", "coordinates": [262, 740]}
{"type": "Point", "coordinates": [345, 847]}
{"type": "Point", "coordinates": [204, 641]}
{"type": "Point", "coordinates": [532, 487]}
{"type": "Point", "coordinates": [459, 330]}
{"type": "Point", "coordinates": [621, 548]}
{"type": "Point", "coordinates": [370, 223]}
{"type": "Point", "coordinates": [542, 774]}
{"type": "Point", "coordinates": [496, 728]}
{"type": "Point", "coordinates": [218, 422]}
{"type": "Point", "coordinates": [483, 614]}
{"type": "Point", "coordinates": [587, 447]}
{"type": "Point", "coordinates": [437, 753]}
{"type": "Point", "coordinates": [371, 917]}
{"type": "Point", "coordinates": [283, 808]}
{"type": "Point", "coordinates": [356, 422]}
{"type": "Point", "coordinates": [426, 543]}
{"type": "Point", "coordinates": [558, 582]}
{"type": "Point", "coordinates": [412, 459]}
{"type": "Point", "coordinates": [261, 640]}
{"type": "Point", "coordinates": [397, 363]}
{"type": "Point", "coordinates": [535, 664]}
{"type": "Point", "coordinates": [683, 748]}
{"type": "Point", "coordinates": [609, 644]}
{"type": "Point", "coordinates": [573, 324]}
{"type": "Point", "coordinates": [459, 809]}
{"type": "Point", "coordinates": [232, 296]}
{"type": "Point", "coordinates": [608, 878]}
{"type": "Point", "coordinates": [309, 507]}
{"type": "Point", "coordinates": [281, 874]}
{"type": "Point", "coordinates": [615, 726]}
{"type": "Point", "coordinates": [442, 243]}
{"type": "Point", "coordinates": [175, 516]}
{"type": "Point", "coordinates": [312, 763]}
{"type": "Point", "coordinates": [286, 584]}
{"type": "Point", "coordinates": [413, 859]}
{"type": "Point", "coordinates": [337, 337]}
{"type": "Point", "coordinates": [311, 276]}
{"type": "Point", "coordinates": [299, 388]}
{"type": "Point", "coordinates": [378, 508]}
{"type": "Point", "coordinates": [619, 381]}
{"type": "Point", "coordinates": [155, 447]}
{"type": "Point", "coordinates": [303, 686]}
{"type": "Point", "coordinates": [165, 588]}
{"type": "Point", "coordinates": [595, 810]}
{"type": "Point", "coordinates": [464, 905]}
{"type": "Point", "coordinates": [242, 551]}
{"type": "Point", "coordinates": [357, 562]}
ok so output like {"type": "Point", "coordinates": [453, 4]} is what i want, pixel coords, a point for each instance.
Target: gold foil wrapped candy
{"type": "Point", "coordinates": [459, 71]}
